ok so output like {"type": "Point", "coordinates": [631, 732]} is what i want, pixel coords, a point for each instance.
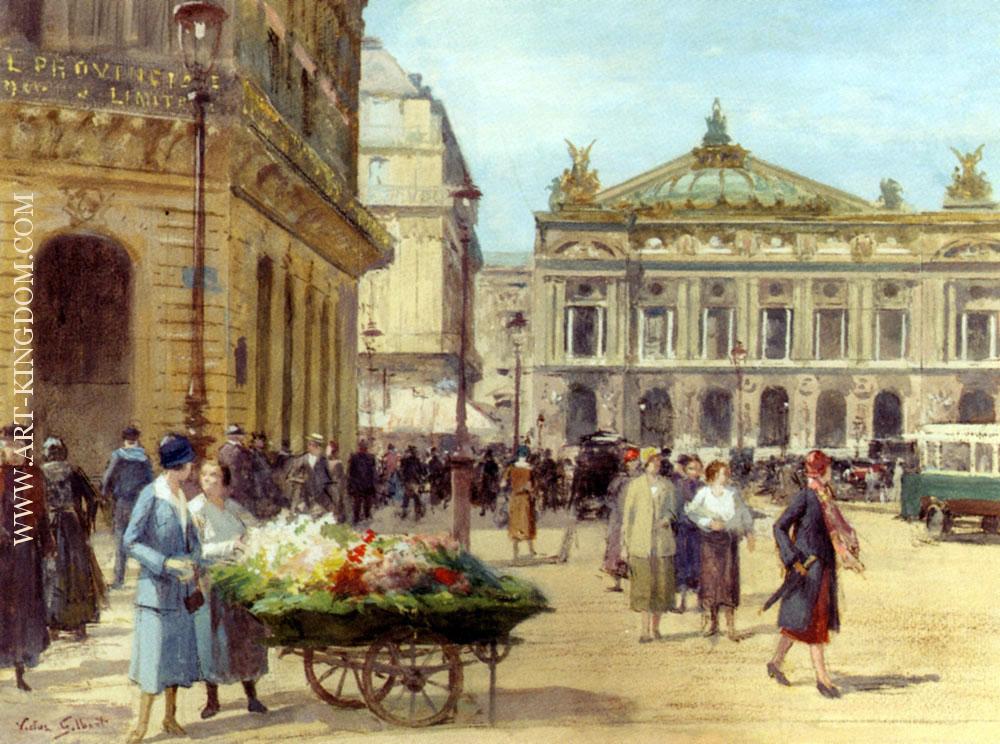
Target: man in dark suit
{"type": "Point", "coordinates": [361, 481]}
{"type": "Point", "coordinates": [128, 472]}
{"type": "Point", "coordinates": [235, 456]}
{"type": "Point", "coordinates": [308, 482]}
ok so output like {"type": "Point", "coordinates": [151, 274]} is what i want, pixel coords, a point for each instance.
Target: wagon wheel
{"type": "Point", "coordinates": [340, 683]}
{"type": "Point", "coordinates": [422, 676]}
{"type": "Point", "coordinates": [487, 653]}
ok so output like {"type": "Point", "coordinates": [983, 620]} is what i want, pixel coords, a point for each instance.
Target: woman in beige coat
{"type": "Point", "coordinates": [648, 544]}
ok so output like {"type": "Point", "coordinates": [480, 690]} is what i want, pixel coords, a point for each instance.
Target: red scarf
{"type": "Point", "coordinates": [842, 535]}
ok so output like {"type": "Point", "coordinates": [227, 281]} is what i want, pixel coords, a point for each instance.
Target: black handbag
{"type": "Point", "coordinates": [195, 599]}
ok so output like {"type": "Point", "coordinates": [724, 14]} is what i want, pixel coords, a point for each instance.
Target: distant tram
{"type": "Point", "coordinates": [959, 477]}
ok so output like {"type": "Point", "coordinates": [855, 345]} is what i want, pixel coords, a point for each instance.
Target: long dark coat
{"type": "Point", "coordinates": [242, 487]}
{"type": "Point", "coordinates": [687, 559]}
{"type": "Point", "coordinates": [74, 586]}
{"type": "Point", "coordinates": [23, 633]}
{"type": "Point", "coordinates": [800, 532]}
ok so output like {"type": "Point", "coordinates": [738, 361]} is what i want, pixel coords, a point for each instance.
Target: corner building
{"type": "Point", "coordinates": [858, 322]}
{"type": "Point", "coordinates": [96, 125]}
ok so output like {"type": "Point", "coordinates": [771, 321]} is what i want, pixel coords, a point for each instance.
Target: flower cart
{"type": "Point", "coordinates": [386, 622]}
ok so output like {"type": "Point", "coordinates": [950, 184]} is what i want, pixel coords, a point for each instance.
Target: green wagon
{"type": "Point", "coordinates": [959, 477]}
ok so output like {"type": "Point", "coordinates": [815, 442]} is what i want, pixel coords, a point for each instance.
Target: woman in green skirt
{"type": "Point", "coordinates": [648, 543]}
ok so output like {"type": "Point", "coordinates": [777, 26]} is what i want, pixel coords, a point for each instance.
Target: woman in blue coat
{"type": "Point", "coordinates": [811, 535]}
{"type": "Point", "coordinates": [162, 537]}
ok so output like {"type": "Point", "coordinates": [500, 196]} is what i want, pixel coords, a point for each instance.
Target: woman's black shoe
{"type": "Point", "coordinates": [777, 675]}
{"type": "Point", "coordinates": [827, 692]}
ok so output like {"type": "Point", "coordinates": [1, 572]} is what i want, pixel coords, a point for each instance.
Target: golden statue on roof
{"type": "Point", "coordinates": [967, 183]}
{"type": "Point", "coordinates": [578, 185]}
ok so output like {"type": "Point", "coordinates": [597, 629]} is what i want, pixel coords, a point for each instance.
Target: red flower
{"type": "Point", "coordinates": [368, 536]}
{"type": "Point", "coordinates": [349, 581]}
{"type": "Point", "coordinates": [446, 576]}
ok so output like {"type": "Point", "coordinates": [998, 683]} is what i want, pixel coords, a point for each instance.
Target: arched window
{"type": "Point", "coordinates": [887, 419]}
{"type": "Point", "coordinates": [656, 417]}
{"type": "Point", "coordinates": [262, 347]}
{"type": "Point", "coordinates": [286, 369]}
{"type": "Point", "coordinates": [831, 419]}
{"type": "Point", "coordinates": [717, 418]}
{"type": "Point", "coordinates": [581, 413]}
{"type": "Point", "coordinates": [976, 407]}
{"type": "Point", "coordinates": [773, 418]}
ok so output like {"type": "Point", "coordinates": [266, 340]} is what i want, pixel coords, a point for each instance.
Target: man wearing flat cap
{"type": "Point", "coordinates": [308, 483]}
{"type": "Point", "coordinates": [235, 456]}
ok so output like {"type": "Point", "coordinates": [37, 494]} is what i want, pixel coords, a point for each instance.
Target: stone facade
{"type": "Point", "coordinates": [857, 322]}
{"type": "Point", "coordinates": [101, 140]}
{"type": "Point", "coordinates": [410, 162]}
{"type": "Point", "coordinates": [502, 293]}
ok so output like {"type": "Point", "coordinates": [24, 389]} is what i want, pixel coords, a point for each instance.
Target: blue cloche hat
{"type": "Point", "coordinates": [175, 450]}
{"type": "Point", "coordinates": [523, 452]}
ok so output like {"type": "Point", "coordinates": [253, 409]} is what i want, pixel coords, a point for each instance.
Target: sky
{"type": "Point", "coordinates": [841, 91]}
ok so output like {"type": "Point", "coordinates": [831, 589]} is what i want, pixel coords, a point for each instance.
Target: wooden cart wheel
{"type": "Point", "coordinates": [412, 679]}
{"type": "Point", "coordinates": [335, 677]}
{"type": "Point", "coordinates": [485, 652]}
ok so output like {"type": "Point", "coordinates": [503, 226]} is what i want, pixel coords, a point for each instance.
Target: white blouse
{"type": "Point", "coordinates": [219, 529]}
{"type": "Point", "coordinates": [706, 507]}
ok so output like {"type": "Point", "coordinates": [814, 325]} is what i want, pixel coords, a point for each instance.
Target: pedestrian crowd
{"type": "Point", "coordinates": [675, 531]}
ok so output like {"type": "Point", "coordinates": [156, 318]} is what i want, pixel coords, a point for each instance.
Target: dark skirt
{"type": "Point", "coordinates": [687, 559]}
{"type": "Point", "coordinates": [819, 628]}
{"type": "Point", "coordinates": [23, 632]}
{"type": "Point", "coordinates": [720, 570]}
{"type": "Point", "coordinates": [74, 585]}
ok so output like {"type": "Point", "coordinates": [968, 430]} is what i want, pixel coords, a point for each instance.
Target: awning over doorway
{"type": "Point", "coordinates": [414, 411]}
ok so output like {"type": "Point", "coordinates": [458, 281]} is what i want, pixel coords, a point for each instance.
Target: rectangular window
{"type": "Point", "coordinates": [584, 328]}
{"type": "Point", "coordinates": [718, 326]}
{"type": "Point", "coordinates": [830, 337]}
{"type": "Point", "coordinates": [657, 331]}
{"type": "Point", "coordinates": [776, 332]}
{"type": "Point", "coordinates": [890, 334]}
{"type": "Point", "coordinates": [977, 336]}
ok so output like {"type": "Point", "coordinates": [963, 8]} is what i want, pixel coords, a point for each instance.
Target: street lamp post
{"type": "Point", "coordinates": [738, 356]}
{"type": "Point", "coordinates": [370, 335]}
{"type": "Point", "coordinates": [199, 27]}
{"type": "Point", "coordinates": [465, 198]}
{"type": "Point", "coordinates": [515, 326]}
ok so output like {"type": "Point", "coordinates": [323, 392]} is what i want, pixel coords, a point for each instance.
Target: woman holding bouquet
{"type": "Point", "coordinates": [162, 538]}
{"type": "Point", "coordinates": [229, 638]}
{"type": "Point", "coordinates": [812, 535]}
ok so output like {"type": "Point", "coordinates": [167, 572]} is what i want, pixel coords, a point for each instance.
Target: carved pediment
{"type": "Point", "coordinates": [970, 249]}
{"type": "Point", "coordinates": [593, 249]}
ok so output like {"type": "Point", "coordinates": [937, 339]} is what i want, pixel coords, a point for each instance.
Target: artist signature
{"type": "Point", "coordinates": [66, 725]}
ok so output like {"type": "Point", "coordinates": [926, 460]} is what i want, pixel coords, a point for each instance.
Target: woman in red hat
{"type": "Point", "coordinates": [811, 535]}
{"type": "Point", "coordinates": [614, 564]}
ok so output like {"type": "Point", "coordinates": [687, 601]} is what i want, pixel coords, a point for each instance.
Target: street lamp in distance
{"type": "Point", "coordinates": [515, 327]}
{"type": "Point", "coordinates": [370, 334]}
{"type": "Point", "coordinates": [466, 197]}
{"type": "Point", "coordinates": [738, 356]}
{"type": "Point", "coordinates": [199, 29]}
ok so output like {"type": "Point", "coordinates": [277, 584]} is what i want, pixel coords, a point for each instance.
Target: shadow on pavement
{"type": "Point", "coordinates": [552, 704]}
{"type": "Point", "coordinates": [883, 682]}
{"type": "Point", "coordinates": [90, 669]}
